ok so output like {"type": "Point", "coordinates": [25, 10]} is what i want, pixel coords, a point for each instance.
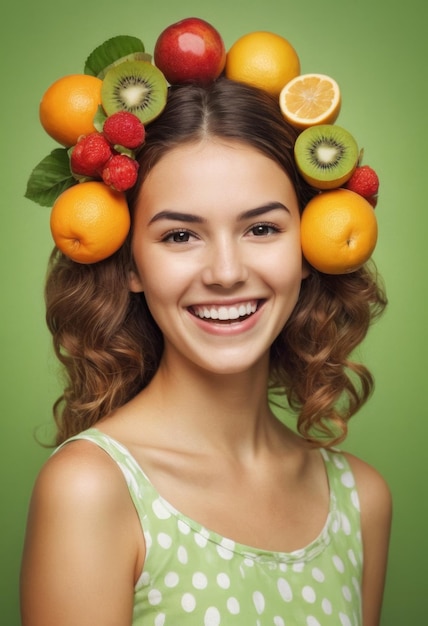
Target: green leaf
{"type": "Point", "coordinates": [123, 150]}
{"type": "Point", "coordinates": [99, 119]}
{"type": "Point", "coordinates": [50, 178]}
{"type": "Point", "coordinates": [110, 52]}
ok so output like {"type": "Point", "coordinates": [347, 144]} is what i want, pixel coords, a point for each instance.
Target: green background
{"type": "Point", "coordinates": [376, 51]}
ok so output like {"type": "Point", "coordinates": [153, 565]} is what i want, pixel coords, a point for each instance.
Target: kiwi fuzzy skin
{"type": "Point", "coordinates": [326, 156]}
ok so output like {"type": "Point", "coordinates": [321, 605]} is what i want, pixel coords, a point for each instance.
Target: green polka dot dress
{"type": "Point", "coordinates": [194, 576]}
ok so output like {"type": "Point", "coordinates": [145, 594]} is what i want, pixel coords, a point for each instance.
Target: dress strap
{"type": "Point", "coordinates": [343, 490]}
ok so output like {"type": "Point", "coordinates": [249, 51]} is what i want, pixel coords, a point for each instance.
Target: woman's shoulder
{"type": "Point", "coordinates": [373, 490]}
{"type": "Point", "coordinates": [375, 501]}
{"type": "Point", "coordinates": [79, 472]}
{"type": "Point", "coordinates": [78, 491]}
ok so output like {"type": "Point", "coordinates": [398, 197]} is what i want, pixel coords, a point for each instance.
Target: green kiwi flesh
{"type": "Point", "coordinates": [135, 86]}
{"type": "Point", "coordinates": [326, 155]}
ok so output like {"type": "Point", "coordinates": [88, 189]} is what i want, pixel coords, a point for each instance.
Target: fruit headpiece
{"type": "Point", "coordinates": [99, 118]}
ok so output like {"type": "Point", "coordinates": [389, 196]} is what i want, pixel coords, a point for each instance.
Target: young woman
{"type": "Point", "coordinates": [176, 495]}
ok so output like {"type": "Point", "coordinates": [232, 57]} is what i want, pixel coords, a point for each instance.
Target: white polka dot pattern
{"type": "Point", "coordinates": [194, 576]}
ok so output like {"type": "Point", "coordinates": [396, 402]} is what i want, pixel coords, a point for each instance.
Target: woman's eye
{"type": "Point", "coordinates": [177, 236]}
{"type": "Point", "coordinates": [261, 230]}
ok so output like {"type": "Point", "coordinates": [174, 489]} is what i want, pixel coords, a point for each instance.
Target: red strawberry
{"type": "Point", "coordinates": [120, 172]}
{"type": "Point", "coordinates": [372, 200]}
{"type": "Point", "coordinates": [89, 155]}
{"type": "Point", "coordinates": [124, 129]}
{"type": "Point", "coordinates": [364, 181]}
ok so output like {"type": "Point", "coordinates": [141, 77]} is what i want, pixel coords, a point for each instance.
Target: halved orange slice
{"type": "Point", "coordinates": [310, 99]}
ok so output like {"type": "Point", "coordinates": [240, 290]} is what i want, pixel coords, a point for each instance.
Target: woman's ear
{"type": "Point", "coordinates": [135, 284]}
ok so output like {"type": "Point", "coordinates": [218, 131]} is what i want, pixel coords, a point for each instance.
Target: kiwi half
{"type": "Point", "coordinates": [135, 86]}
{"type": "Point", "coordinates": [134, 56]}
{"type": "Point", "coordinates": [326, 155]}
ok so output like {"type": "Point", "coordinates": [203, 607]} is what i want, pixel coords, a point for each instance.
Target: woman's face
{"type": "Point", "coordinates": [217, 251]}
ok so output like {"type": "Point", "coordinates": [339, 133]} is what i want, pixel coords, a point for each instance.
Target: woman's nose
{"type": "Point", "coordinates": [225, 264]}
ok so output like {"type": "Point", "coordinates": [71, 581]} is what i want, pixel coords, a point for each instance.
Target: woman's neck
{"type": "Point", "coordinates": [228, 412]}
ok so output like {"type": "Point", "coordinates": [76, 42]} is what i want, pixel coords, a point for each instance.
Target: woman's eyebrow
{"type": "Point", "coordinates": [261, 210]}
{"type": "Point", "coordinates": [177, 216]}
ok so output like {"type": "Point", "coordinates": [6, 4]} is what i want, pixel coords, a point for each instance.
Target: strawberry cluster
{"type": "Point", "coordinates": [109, 155]}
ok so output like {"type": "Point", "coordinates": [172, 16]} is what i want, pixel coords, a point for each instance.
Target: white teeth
{"type": "Point", "coordinates": [225, 313]}
{"type": "Point", "coordinates": [228, 313]}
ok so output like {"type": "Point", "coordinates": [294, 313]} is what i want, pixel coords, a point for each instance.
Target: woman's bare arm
{"type": "Point", "coordinates": [83, 545]}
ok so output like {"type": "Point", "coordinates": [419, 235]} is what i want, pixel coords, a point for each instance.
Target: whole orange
{"type": "Point", "coordinates": [338, 231]}
{"type": "Point", "coordinates": [90, 221]}
{"type": "Point", "coordinates": [264, 60]}
{"type": "Point", "coordinates": [68, 107]}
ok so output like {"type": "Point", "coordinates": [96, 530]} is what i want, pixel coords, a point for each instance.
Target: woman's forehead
{"type": "Point", "coordinates": [216, 170]}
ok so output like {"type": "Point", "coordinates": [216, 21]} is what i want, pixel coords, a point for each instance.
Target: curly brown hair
{"type": "Point", "coordinates": [108, 342]}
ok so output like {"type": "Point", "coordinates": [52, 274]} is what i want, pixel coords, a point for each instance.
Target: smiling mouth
{"type": "Point", "coordinates": [233, 313]}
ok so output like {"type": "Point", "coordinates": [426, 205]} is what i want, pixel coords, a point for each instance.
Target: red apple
{"type": "Point", "coordinates": [190, 51]}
